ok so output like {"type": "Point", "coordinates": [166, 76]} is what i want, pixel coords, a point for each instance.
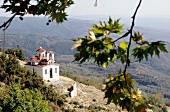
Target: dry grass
{"type": "Point", "coordinates": [87, 80]}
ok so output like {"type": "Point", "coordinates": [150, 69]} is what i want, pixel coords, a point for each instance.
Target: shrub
{"type": "Point", "coordinates": [17, 52]}
{"type": "Point", "coordinates": [12, 73]}
{"type": "Point", "coordinates": [76, 103]}
{"type": "Point", "coordinates": [94, 100]}
{"type": "Point", "coordinates": [13, 99]}
{"type": "Point", "coordinates": [81, 106]}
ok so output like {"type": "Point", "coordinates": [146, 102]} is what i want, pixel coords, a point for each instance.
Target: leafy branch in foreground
{"type": "Point", "coordinates": [104, 49]}
{"type": "Point", "coordinates": [54, 9]}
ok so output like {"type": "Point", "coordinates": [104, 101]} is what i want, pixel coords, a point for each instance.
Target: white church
{"type": "Point", "coordinates": [44, 64]}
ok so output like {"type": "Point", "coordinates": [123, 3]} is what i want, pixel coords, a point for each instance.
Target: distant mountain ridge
{"type": "Point", "coordinates": [152, 28]}
{"type": "Point", "coordinates": [37, 26]}
{"type": "Point", "coordinates": [152, 76]}
{"type": "Point", "coordinates": [31, 33]}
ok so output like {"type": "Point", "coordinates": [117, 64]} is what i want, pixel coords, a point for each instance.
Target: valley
{"type": "Point", "coordinates": [153, 76]}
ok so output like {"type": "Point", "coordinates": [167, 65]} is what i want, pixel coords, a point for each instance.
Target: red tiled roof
{"type": "Point", "coordinates": [52, 52]}
{"type": "Point", "coordinates": [37, 59]}
{"type": "Point", "coordinates": [40, 59]}
{"type": "Point", "coordinates": [41, 50]}
{"type": "Point", "coordinates": [44, 60]}
{"type": "Point", "coordinates": [34, 59]}
{"type": "Point", "coordinates": [42, 65]}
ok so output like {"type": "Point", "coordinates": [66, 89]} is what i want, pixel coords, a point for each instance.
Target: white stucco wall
{"type": "Point", "coordinates": [42, 54]}
{"type": "Point", "coordinates": [54, 75]}
{"type": "Point", "coordinates": [36, 69]}
{"type": "Point", "coordinates": [47, 55]}
{"type": "Point", "coordinates": [41, 71]}
{"type": "Point", "coordinates": [53, 56]}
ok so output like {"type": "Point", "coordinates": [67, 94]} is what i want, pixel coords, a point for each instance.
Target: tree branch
{"type": "Point", "coordinates": [7, 23]}
{"type": "Point", "coordinates": [125, 35]}
{"type": "Point", "coordinates": [95, 4]}
{"type": "Point", "coordinates": [130, 40]}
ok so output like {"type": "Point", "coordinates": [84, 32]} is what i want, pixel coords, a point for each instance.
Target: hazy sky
{"type": "Point", "coordinates": [149, 8]}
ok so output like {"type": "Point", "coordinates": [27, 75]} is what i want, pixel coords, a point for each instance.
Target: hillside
{"type": "Point", "coordinates": [152, 76]}
{"type": "Point", "coordinates": [152, 28]}
{"type": "Point", "coordinates": [88, 98]}
{"type": "Point", "coordinates": [31, 33]}
{"type": "Point", "coordinates": [37, 26]}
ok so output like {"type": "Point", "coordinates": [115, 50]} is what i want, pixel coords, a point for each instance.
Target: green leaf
{"type": "Point", "coordinates": [137, 36]}
{"type": "Point", "coordinates": [92, 35]}
{"type": "Point", "coordinates": [75, 46]}
{"type": "Point", "coordinates": [110, 21]}
{"type": "Point", "coordinates": [123, 45]}
{"type": "Point", "coordinates": [162, 48]}
{"type": "Point", "coordinates": [78, 41]}
{"type": "Point", "coordinates": [99, 31]}
{"type": "Point", "coordinates": [105, 64]}
{"type": "Point", "coordinates": [157, 52]}
{"type": "Point", "coordinates": [113, 54]}
{"type": "Point", "coordinates": [109, 46]}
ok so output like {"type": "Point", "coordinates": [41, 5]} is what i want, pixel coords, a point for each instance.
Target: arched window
{"type": "Point", "coordinates": [50, 55]}
{"type": "Point", "coordinates": [51, 73]}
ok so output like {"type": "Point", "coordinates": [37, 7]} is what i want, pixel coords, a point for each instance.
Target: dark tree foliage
{"type": "Point", "coordinates": [54, 9]}
{"type": "Point", "coordinates": [12, 73]}
{"type": "Point", "coordinates": [14, 99]}
{"type": "Point", "coordinates": [99, 45]}
{"type": "Point", "coordinates": [17, 52]}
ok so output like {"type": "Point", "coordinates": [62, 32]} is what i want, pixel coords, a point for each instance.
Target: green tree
{"type": "Point", "coordinates": [156, 101]}
{"type": "Point", "coordinates": [11, 72]}
{"type": "Point", "coordinates": [100, 46]}
{"type": "Point", "coordinates": [19, 53]}
{"type": "Point", "coordinates": [103, 49]}
{"type": "Point", "coordinates": [54, 9]}
{"type": "Point", "coordinates": [13, 99]}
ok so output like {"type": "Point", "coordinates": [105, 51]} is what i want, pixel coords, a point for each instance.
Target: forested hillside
{"type": "Point", "coordinates": [31, 33]}
{"type": "Point", "coordinates": [152, 76]}
{"type": "Point", "coordinates": [37, 26]}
